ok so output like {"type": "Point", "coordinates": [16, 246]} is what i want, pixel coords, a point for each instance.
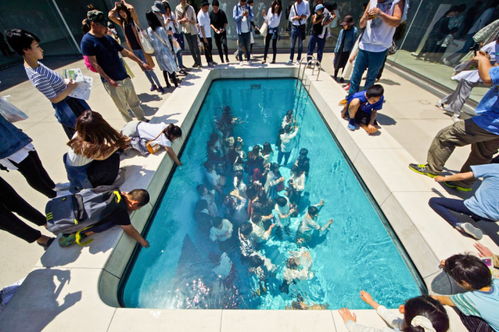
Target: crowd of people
{"type": "Point", "coordinates": [244, 199]}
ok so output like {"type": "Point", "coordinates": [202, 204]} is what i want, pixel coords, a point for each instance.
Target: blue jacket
{"type": "Point", "coordinates": [12, 139]}
{"type": "Point", "coordinates": [237, 14]}
{"type": "Point", "coordinates": [350, 38]}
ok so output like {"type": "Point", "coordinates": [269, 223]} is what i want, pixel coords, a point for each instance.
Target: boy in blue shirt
{"type": "Point", "coordinates": [362, 107]}
{"type": "Point", "coordinates": [478, 308]}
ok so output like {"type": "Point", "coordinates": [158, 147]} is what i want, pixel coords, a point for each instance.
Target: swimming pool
{"type": "Point", "coordinates": [359, 252]}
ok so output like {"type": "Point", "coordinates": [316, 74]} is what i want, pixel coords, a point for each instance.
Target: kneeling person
{"type": "Point", "coordinates": [362, 108]}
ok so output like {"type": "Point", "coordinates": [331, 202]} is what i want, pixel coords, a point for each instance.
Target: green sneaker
{"type": "Point", "coordinates": [453, 185]}
{"type": "Point", "coordinates": [67, 240]}
{"type": "Point", "coordinates": [422, 169]}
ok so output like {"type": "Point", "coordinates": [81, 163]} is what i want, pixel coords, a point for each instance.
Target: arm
{"type": "Point", "coordinates": [134, 234]}
{"type": "Point", "coordinates": [393, 20]}
{"type": "Point", "coordinates": [365, 17]}
{"type": "Point", "coordinates": [93, 61]}
{"type": "Point", "coordinates": [64, 93]}
{"type": "Point", "coordinates": [353, 107]}
{"type": "Point", "coordinates": [235, 15]}
{"type": "Point", "coordinates": [444, 300]}
{"type": "Point", "coordinates": [374, 113]}
{"type": "Point", "coordinates": [455, 177]}
{"type": "Point", "coordinates": [484, 67]}
{"type": "Point", "coordinates": [112, 16]}
{"type": "Point", "coordinates": [201, 28]}
{"type": "Point", "coordinates": [126, 53]}
{"type": "Point", "coordinates": [173, 155]}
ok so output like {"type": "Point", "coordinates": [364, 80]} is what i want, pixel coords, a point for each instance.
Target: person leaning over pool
{"type": "Point", "coordinates": [149, 138]}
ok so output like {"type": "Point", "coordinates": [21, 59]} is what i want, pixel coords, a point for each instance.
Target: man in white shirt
{"type": "Point", "coordinates": [380, 20]}
{"type": "Point", "coordinates": [186, 17]}
{"type": "Point", "coordinates": [243, 15]}
{"type": "Point", "coordinates": [205, 31]}
{"type": "Point", "coordinates": [298, 15]}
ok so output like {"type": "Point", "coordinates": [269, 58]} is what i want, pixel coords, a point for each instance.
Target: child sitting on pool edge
{"type": "Point", "coordinates": [362, 108]}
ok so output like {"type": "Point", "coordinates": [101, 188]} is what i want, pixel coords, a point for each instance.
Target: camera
{"type": "Point", "coordinates": [475, 48]}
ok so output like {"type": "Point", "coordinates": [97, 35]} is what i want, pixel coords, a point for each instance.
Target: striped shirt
{"type": "Point", "coordinates": [46, 80]}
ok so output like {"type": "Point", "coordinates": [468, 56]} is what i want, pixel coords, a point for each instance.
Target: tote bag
{"type": "Point", "coordinates": [146, 44]}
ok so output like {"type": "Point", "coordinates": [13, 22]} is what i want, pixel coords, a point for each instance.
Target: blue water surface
{"type": "Point", "coordinates": [358, 252]}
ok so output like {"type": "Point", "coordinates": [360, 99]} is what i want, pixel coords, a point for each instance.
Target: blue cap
{"type": "Point", "coordinates": [319, 7]}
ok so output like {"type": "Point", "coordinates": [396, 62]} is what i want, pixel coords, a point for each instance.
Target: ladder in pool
{"type": "Point", "coordinates": [305, 63]}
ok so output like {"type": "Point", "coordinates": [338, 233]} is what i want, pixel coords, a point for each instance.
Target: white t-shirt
{"type": "Point", "coordinates": [244, 24]}
{"type": "Point", "coordinates": [204, 23]}
{"type": "Point", "coordinates": [299, 182]}
{"type": "Point", "coordinates": [282, 210]}
{"type": "Point", "coordinates": [149, 131]}
{"type": "Point", "coordinates": [273, 20]}
{"type": "Point", "coordinates": [221, 234]}
{"type": "Point", "coordinates": [286, 140]}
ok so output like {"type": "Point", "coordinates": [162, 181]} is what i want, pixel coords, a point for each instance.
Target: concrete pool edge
{"type": "Point", "coordinates": [93, 274]}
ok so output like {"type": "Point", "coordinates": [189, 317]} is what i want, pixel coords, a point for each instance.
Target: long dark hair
{"type": "Point", "coordinates": [152, 20]}
{"type": "Point", "coordinates": [274, 4]}
{"type": "Point", "coordinates": [128, 19]}
{"type": "Point", "coordinates": [427, 307]}
{"type": "Point", "coordinates": [95, 137]}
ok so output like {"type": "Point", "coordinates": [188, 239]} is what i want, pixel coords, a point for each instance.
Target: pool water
{"type": "Point", "coordinates": [359, 251]}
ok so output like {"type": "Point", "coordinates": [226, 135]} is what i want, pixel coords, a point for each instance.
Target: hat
{"type": "Point", "coordinates": [347, 20]}
{"type": "Point", "coordinates": [96, 16]}
{"type": "Point", "coordinates": [215, 3]}
{"type": "Point", "coordinates": [158, 7]}
{"type": "Point", "coordinates": [205, 3]}
{"type": "Point", "coordinates": [319, 7]}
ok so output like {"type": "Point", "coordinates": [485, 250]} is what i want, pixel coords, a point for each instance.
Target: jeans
{"type": "Point", "coordinates": [297, 34]}
{"type": "Point", "coordinates": [268, 37]}
{"type": "Point", "coordinates": [320, 42]}
{"type": "Point", "coordinates": [484, 146]}
{"type": "Point", "coordinates": [244, 43]}
{"type": "Point", "coordinates": [192, 41]}
{"type": "Point", "coordinates": [281, 154]}
{"type": "Point", "coordinates": [125, 98]}
{"type": "Point", "coordinates": [36, 175]}
{"type": "Point", "coordinates": [373, 61]}
{"type": "Point", "coordinates": [151, 75]}
{"type": "Point", "coordinates": [10, 202]}
{"type": "Point", "coordinates": [208, 46]}
{"type": "Point", "coordinates": [221, 42]}
{"type": "Point", "coordinates": [448, 208]}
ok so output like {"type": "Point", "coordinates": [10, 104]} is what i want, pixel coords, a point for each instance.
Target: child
{"type": "Point", "coordinates": [362, 107]}
{"type": "Point", "coordinates": [478, 308]}
{"type": "Point", "coordinates": [151, 137]}
{"type": "Point", "coordinates": [309, 226]}
{"type": "Point", "coordinates": [421, 314]}
{"type": "Point", "coordinates": [344, 45]}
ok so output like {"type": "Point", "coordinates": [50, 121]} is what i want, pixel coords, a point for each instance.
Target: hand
{"type": "Point", "coordinates": [310, 275]}
{"type": "Point", "coordinates": [330, 222]}
{"type": "Point", "coordinates": [112, 82]}
{"type": "Point", "coordinates": [145, 66]}
{"type": "Point", "coordinates": [347, 315]}
{"type": "Point", "coordinates": [144, 244]}
{"type": "Point", "coordinates": [179, 163]}
{"type": "Point", "coordinates": [264, 13]}
{"type": "Point", "coordinates": [441, 264]}
{"type": "Point", "coordinates": [321, 203]}
{"type": "Point", "coordinates": [296, 18]}
{"type": "Point", "coordinates": [480, 55]}
{"type": "Point", "coordinates": [245, 13]}
{"type": "Point", "coordinates": [483, 251]}
{"type": "Point", "coordinates": [351, 60]}
{"type": "Point", "coordinates": [72, 85]}
{"type": "Point", "coordinates": [374, 12]}
{"type": "Point", "coordinates": [367, 298]}
{"type": "Point", "coordinates": [370, 129]}
{"type": "Point", "coordinates": [205, 40]}
{"type": "Point", "coordinates": [439, 178]}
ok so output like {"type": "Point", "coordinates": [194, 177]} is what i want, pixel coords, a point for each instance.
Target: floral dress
{"type": "Point", "coordinates": [163, 50]}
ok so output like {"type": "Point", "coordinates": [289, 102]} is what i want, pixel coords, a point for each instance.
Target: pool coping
{"type": "Point", "coordinates": [94, 272]}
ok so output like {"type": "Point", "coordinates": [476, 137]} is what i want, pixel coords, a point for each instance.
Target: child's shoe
{"type": "Point", "coordinates": [352, 125]}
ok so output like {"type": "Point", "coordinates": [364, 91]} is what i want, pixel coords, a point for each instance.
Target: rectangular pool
{"type": "Point", "coordinates": [184, 269]}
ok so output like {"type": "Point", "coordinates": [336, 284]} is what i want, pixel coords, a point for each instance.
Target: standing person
{"type": "Point", "coordinates": [47, 81]}
{"type": "Point", "coordinates": [243, 15]}
{"type": "Point", "coordinates": [205, 31]}
{"type": "Point", "coordinates": [170, 24]}
{"type": "Point", "coordinates": [17, 153]}
{"type": "Point", "coordinates": [11, 202]}
{"type": "Point", "coordinates": [344, 45]}
{"type": "Point", "coordinates": [125, 16]}
{"type": "Point", "coordinates": [186, 16]}
{"type": "Point", "coordinates": [380, 19]}
{"type": "Point", "coordinates": [219, 23]}
{"type": "Point", "coordinates": [287, 143]}
{"type": "Point", "coordinates": [298, 15]}
{"type": "Point", "coordinates": [273, 19]}
{"type": "Point", "coordinates": [163, 49]}
{"type": "Point", "coordinates": [102, 52]}
{"type": "Point", "coordinates": [254, 28]}
{"type": "Point", "coordinates": [320, 31]}
{"type": "Point", "coordinates": [481, 131]}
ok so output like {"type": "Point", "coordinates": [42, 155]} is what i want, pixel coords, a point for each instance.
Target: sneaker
{"type": "Point", "coordinates": [346, 87]}
{"type": "Point", "coordinates": [352, 125]}
{"type": "Point", "coordinates": [153, 88]}
{"type": "Point", "coordinates": [455, 118]}
{"type": "Point", "coordinates": [453, 185]}
{"type": "Point", "coordinates": [422, 169]}
{"type": "Point", "coordinates": [440, 105]}
{"type": "Point", "coordinates": [471, 230]}
{"type": "Point", "coordinates": [161, 90]}
{"type": "Point", "coordinates": [67, 240]}
{"type": "Point", "coordinates": [290, 62]}
{"type": "Point", "coordinates": [241, 63]}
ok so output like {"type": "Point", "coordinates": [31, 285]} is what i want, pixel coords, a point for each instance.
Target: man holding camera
{"type": "Point", "coordinates": [298, 15]}
{"type": "Point", "coordinates": [243, 15]}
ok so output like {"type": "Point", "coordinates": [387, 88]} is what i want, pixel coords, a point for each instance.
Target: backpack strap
{"type": "Point", "coordinates": [79, 237]}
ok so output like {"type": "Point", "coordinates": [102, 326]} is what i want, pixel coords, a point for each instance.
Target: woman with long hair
{"type": "Point", "coordinates": [92, 159]}
{"type": "Point", "coordinates": [172, 25]}
{"type": "Point", "coordinates": [163, 48]}
{"type": "Point", "coordinates": [125, 16]}
{"type": "Point", "coordinates": [273, 19]}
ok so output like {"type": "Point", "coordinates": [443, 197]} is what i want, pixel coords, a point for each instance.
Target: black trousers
{"type": "Point", "coordinates": [36, 175]}
{"type": "Point", "coordinates": [268, 37]}
{"type": "Point", "coordinates": [221, 42]}
{"type": "Point", "coordinates": [104, 172]}
{"type": "Point", "coordinates": [474, 324]}
{"type": "Point", "coordinates": [208, 46]}
{"type": "Point", "coordinates": [10, 202]}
